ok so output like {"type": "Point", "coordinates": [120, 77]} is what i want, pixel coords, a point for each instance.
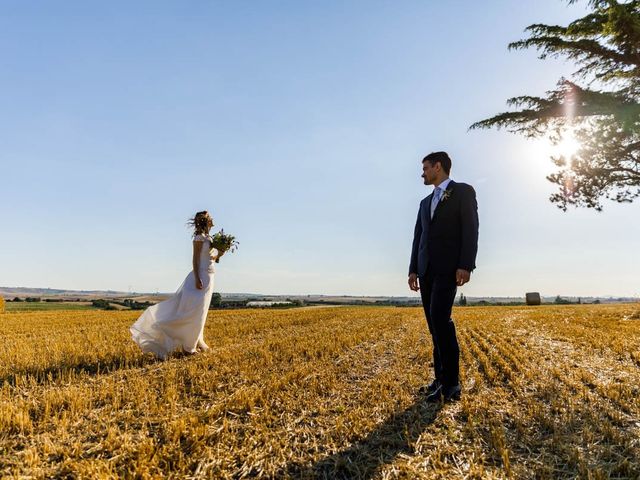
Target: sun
{"type": "Point", "coordinates": [568, 146]}
{"type": "Point", "coordinates": [540, 151]}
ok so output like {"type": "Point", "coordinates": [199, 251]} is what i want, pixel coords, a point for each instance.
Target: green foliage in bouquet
{"type": "Point", "coordinates": [223, 243]}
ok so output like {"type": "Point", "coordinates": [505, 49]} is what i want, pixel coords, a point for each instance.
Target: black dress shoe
{"type": "Point", "coordinates": [451, 394]}
{"type": "Point", "coordinates": [435, 396]}
{"type": "Point", "coordinates": [429, 389]}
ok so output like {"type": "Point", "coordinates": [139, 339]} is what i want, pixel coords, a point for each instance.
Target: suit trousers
{"type": "Point", "coordinates": [438, 292]}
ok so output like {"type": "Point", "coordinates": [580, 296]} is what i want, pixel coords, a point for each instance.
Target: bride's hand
{"type": "Point", "coordinates": [199, 284]}
{"type": "Point", "coordinates": [218, 255]}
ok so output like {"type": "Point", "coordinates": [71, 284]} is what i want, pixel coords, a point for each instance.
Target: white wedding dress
{"type": "Point", "coordinates": [178, 322]}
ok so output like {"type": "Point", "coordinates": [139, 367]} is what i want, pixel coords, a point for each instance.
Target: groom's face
{"type": "Point", "coordinates": [429, 172]}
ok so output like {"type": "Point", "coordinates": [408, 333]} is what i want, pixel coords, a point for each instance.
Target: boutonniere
{"type": "Point", "coordinates": [446, 194]}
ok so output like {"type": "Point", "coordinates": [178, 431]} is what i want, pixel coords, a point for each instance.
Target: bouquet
{"type": "Point", "coordinates": [223, 243]}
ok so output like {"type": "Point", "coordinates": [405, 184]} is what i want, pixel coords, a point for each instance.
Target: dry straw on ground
{"type": "Point", "coordinates": [549, 392]}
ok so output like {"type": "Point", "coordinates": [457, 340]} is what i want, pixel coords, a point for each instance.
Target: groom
{"type": "Point", "coordinates": [445, 243]}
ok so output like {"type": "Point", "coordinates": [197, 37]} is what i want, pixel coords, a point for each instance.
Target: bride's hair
{"type": "Point", "coordinates": [201, 222]}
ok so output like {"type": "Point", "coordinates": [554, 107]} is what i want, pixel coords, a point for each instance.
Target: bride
{"type": "Point", "coordinates": [178, 322]}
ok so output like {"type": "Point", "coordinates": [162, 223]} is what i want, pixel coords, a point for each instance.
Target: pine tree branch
{"type": "Point", "coordinates": [605, 44]}
{"type": "Point", "coordinates": [582, 51]}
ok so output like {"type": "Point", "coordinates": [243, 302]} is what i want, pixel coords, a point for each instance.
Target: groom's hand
{"type": "Point", "coordinates": [462, 277]}
{"type": "Point", "coordinates": [413, 282]}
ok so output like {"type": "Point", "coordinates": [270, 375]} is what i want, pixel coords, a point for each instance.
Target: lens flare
{"type": "Point", "coordinates": [568, 145]}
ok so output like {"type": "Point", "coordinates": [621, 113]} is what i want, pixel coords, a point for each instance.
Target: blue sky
{"type": "Point", "coordinates": [301, 126]}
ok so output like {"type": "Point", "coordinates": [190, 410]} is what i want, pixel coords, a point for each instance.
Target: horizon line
{"type": "Point", "coordinates": [109, 291]}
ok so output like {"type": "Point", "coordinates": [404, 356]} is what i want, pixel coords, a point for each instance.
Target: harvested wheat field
{"type": "Point", "coordinates": [549, 392]}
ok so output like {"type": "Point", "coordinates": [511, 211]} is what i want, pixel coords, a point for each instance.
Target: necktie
{"type": "Point", "coordinates": [435, 199]}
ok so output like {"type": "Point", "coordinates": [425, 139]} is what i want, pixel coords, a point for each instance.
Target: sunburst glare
{"type": "Point", "coordinates": [543, 149]}
{"type": "Point", "coordinates": [568, 145]}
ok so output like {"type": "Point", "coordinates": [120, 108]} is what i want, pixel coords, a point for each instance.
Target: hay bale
{"type": "Point", "coordinates": [1, 305]}
{"type": "Point", "coordinates": [533, 298]}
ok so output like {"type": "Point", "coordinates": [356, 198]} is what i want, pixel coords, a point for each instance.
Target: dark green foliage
{"type": "Point", "coordinates": [561, 301]}
{"type": "Point", "coordinates": [216, 300]}
{"type": "Point", "coordinates": [133, 304]}
{"type": "Point", "coordinates": [604, 114]}
{"type": "Point", "coordinates": [102, 304]}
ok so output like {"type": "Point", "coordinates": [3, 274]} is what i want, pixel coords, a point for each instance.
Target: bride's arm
{"type": "Point", "coordinates": [197, 247]}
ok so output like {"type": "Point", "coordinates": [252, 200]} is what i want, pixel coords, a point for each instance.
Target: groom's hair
{"type": "Point", "coordinates": [439, 157]}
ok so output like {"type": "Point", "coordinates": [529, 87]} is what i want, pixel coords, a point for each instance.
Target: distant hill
{"type": "Point", "coordinates": [11, 292]}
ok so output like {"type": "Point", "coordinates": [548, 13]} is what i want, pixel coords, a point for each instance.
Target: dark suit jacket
{"type": "Point", "coordinates": [450, 240]}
